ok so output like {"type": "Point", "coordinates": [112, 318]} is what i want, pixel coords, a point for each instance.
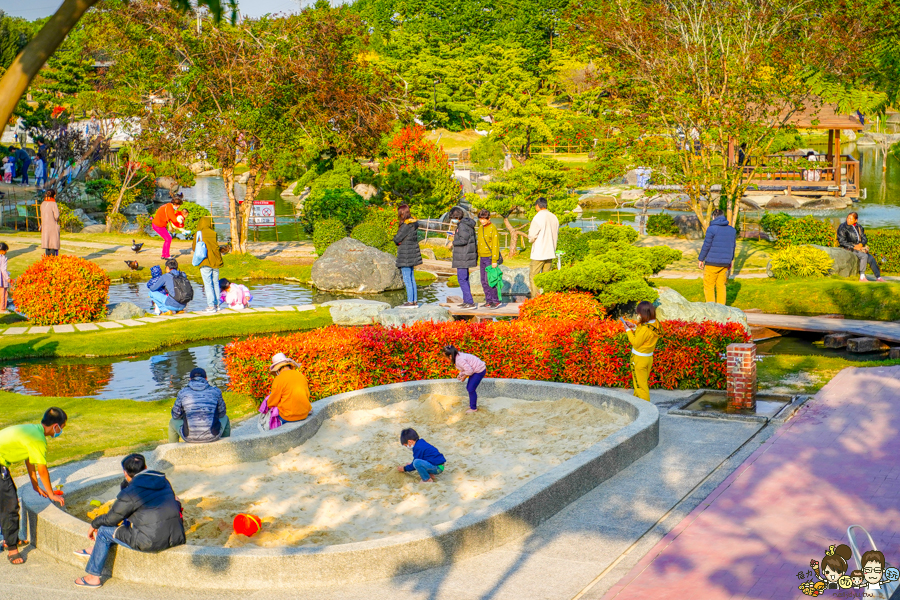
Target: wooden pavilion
{"type": "Point", "coordinates": [796, 174]}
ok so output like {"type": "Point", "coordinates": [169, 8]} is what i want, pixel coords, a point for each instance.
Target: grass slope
{"type": "Point", "coordinates": [147, 338]}
{"type": "Point", "coordinates": [854, 300]}
{"type": "Point", "coordinates": [103, 427]}
{"type": "Point", "coordinates": [805, 374]}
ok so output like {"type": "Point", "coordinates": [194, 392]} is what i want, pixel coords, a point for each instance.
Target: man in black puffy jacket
{"type": "Point", "coordinates": [851, 236]}
{"type": "Point", "coordinates": [146, 516]}
{"type": "Point", "coordinates": [199, 412]}
{"type": "Point", "coordinates": [465, 253]}
{"type": "Point", "coordinates": [716, 256]}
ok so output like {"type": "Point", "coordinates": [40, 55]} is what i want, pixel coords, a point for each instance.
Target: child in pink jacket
{"type": "Point", "coordinates": [470, 367]}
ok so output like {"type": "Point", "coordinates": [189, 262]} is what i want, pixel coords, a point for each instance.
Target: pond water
{"type": "Point", "coordinates": [142, 377]}
{"type": "Point", "coordinates": [810, 344]}
{"type": "Point", "coordinates": [267, 293]}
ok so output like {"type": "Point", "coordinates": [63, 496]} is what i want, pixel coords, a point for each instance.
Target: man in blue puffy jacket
{"type": "Point", "coordinates": [716, 256]}
{"type": "Point", "coordinates": [199, 412]}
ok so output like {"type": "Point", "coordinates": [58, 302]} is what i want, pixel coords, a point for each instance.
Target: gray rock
{"type": "Point", "coordinates": [200, 166]}
{"type": "Point", "coordinates": [134, 209]}
{"type": "Point", "coordinates": [131, 228]}
{"type": "Point", "coordinates": [846, 264]}
{"type": "Point", "coordinates": [98, 228]}
{"type": "Point", "coordinates": [848, 134]}
{"type": "Point", "coordinates": [515, 281]}
{"type": "Point", "coordinates": [673, 306]}
{"type": "Point", "coordinates": [210, 173]}
{"type": "Point", "coordinates": [289, 190]}
{"type": "Point", "coordinates": [631, 194]}
{"type": "Point", "coordinates": [689, 226]}
{"type": "Point", "coordinates": [355, 312]}
{"type": "Point", "coordinates": [349, 265]}
{"type": "Point", "coordinates": [125, 310]}
{"type": "Point", "coordinates": [243, 178]}
{"type": "Point", "coordinates": [783, 202]}
{"type": "Point", "coordinates": [397, 317]}
{"type": "Point", "coordinates": [631, 177]}
{"type": "Point", "coordinates": [83, 217]}
{"type": "Point", "coordinates": [169, 184]}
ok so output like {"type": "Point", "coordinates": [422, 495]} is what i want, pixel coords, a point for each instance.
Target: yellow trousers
{"type": "Point", "coordinates": [538, 267]}
{"type": "Point", "coordinates": [714, 279]}
{"type": "Point", "coordinates": [640, 375]}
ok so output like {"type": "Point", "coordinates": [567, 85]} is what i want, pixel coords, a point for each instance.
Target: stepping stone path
{"type": "Point", "coordinates": [86, 327]}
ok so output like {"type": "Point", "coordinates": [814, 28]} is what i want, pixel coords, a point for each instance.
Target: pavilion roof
{"type": "Point", "coordinates": [824, 116]}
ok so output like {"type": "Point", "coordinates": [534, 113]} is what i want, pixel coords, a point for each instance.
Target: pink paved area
{"type": "Point", "coordinates": [833, 465]}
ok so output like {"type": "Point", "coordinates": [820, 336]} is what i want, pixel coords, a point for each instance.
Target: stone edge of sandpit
{"type": "Point", "coordinates": [200, 567]}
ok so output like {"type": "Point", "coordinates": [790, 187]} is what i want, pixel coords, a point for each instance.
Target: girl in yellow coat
{"type": "Point", "coordinates": [643, 339]}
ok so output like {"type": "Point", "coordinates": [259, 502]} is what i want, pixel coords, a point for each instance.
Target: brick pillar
{"type": "Point", "coordinates": [740, 375]}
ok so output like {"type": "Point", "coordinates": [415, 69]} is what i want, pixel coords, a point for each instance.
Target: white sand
{"type": "Point", "coordinates": [342, 485]}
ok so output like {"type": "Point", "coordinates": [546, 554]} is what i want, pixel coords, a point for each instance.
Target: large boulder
{"type": "Point", "coordinates": [98, 228]}
{"type": "Point", "coordinates": [355, 312]}
{"type": "Point", "coordinates": [783, 202]}
{"type": "Point", "coordinates": [125, 310]}
{"type": "Point", "coordinates": [673, 306]}
{"type": "Point", "coordinates": [397, 317]}
{"type": "Point", "coordinates": [134, 209]}
{"type": "Point", "coordinates": [200, 166]}
{"type": "Point", "coordinates": [82, 216]}
{"type": "Point", "coordinates": [689, 226]}
{"type": "Point", "coordinates": [349, 265]}
{"type": "Point", "coordinates": [846, 264]}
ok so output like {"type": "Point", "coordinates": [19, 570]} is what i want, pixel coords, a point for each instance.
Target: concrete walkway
{"type": "Point", "coordinates": [588, 545]}
{"type": "Point", "coordinates": [834, 465]}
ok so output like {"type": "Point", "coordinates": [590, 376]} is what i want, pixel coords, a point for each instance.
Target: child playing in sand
{"type": "Point", "coordinates": [235, 295]}
{"type": "Point", "coordinates": [470, 367]}
{"type": "Point", "coordinates": [4, 278]}
{"type": "Point", "coordinates": [427, 461]}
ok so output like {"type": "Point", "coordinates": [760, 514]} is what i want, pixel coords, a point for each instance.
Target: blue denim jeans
{"type": "Point", "coordinates": [210, 278]}
{"type": "Point", "coordinates": [463, 276]}
{"type": "Point", "coordinates": [159, 298]}
{"type": "Point", "coordinates": [409, 281]}
{"type": "Point", "coordinates": [103, 540]}
{"type": "Point", "coordinates": [426, 469]}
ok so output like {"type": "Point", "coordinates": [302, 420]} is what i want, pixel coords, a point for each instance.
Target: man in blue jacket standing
{"type": "Point", "coordinates": [716, 256]}
{"type": "Point", "coordinates": [199, 412]}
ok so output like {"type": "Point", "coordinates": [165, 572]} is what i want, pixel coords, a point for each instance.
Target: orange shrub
{"type": "Point", "coordinates": [62, 289]}
{"type": "Point", "coordinates": [587, 351]}
{"type": "Point", "coordinates": [569, 306]}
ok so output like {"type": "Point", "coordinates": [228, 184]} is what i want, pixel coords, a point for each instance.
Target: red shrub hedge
{"type": "Point", "coordinates": [62, 289]}
{"type": "Point", "coordinates": [590, 352]}
{"type": "Point", "coordinates": [570, 306]}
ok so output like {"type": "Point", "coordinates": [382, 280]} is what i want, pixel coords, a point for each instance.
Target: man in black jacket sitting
{"type": "Point", "coordinates": [146, 516]}
{"type": "Point", "coordinates": [851, 236]}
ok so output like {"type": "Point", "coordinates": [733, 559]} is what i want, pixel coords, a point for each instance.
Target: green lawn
{"type": "Point", "coordinates": [147, 338]}
{"type": "Point", "coordinates": [240, 266]}
{"type": "Point", "coordinates": [103, 427]}
{"type": "Point", "coordinates": [854, 300]}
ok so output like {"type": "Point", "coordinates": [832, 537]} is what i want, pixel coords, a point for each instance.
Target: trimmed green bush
{"type": "Point", "coordinates": [194, 212]}
{"type": "Point", "coordinates": [884, 244]}
{"type": "Point", "coordinates": [772, 223]}
{"type": "Point", "coordinates": [371, 234]}
{"type": "Point", "coordinates": [616, 273]}
{"type": "Point", "coordinates": [344, 205]}
{"type": "Point", "coordinates": [806, 230]}
{"type": "Point", "coordinates": [661, 224]}
{"type": "Point", "coordinates": [577, 244]}
{"type": "Point", "coordinates": [327, 232]}
{"type": "Point", "coordinates": [800, 261]}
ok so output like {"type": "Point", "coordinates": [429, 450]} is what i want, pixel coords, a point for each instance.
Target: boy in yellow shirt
{"type": "Point", "coordinates": [28, 443]}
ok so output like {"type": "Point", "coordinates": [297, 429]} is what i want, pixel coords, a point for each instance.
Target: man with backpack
{"type": "Point", "coordinates": [171, 292]}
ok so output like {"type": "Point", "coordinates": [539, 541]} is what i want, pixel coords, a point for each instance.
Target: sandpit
{"type": "Point", "coordinates": [343, 486]}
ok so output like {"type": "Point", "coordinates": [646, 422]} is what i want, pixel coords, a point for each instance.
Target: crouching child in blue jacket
{"type": "Point", "coordinates": [427, 461]}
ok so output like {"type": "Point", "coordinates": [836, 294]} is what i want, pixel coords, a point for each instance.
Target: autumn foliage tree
{"type": "Point", "coordinates": [419, 173]}
{"type": "Point", "coordinates": [706, 72]}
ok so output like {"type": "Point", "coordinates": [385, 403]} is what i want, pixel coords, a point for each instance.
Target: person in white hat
{"type": "Point", "coordinates": [290, 390]}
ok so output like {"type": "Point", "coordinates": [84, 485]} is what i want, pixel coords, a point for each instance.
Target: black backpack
{"type": "Point", "coordinates": [184, 291]}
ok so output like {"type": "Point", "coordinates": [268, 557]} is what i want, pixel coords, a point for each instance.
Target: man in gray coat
{"type": "Point", "coordinates": [199, 413]}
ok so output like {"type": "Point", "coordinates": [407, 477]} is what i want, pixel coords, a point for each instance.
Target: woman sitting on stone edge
{"type": "Point", "coordinates": [290, 390]}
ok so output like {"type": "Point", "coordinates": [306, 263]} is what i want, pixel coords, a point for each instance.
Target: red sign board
{"type": "Point", "coordinates": [263, 213]}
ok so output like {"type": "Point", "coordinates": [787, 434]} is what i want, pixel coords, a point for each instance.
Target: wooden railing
{"type": "Point", "coordinates": [798, 169]}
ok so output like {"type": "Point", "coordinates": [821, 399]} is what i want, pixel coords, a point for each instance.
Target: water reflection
{"type": "Point", "coordinates": [146, 377]}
